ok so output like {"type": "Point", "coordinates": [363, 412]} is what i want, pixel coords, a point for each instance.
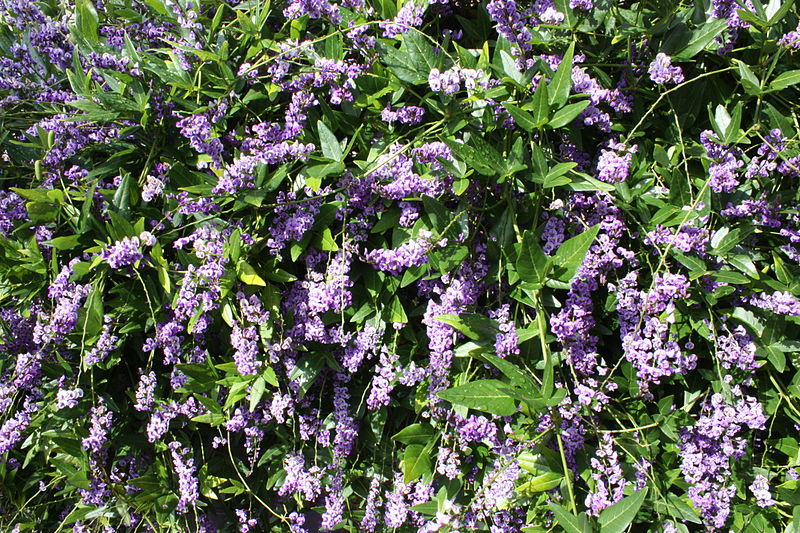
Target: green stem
{"type": "Point", "coordinates": [567, 474]}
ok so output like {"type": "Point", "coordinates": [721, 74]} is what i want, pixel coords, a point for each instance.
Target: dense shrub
{"type": "Point", "coordinates": [320, 266]}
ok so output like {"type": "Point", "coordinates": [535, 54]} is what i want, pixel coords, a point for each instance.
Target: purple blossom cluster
{"type": "Point", "coordinates": [409, 114]}
{"type": "Point", "coordinates": [122, 253]}
{"type": "Point", "coordinates": [409, 254]}
{"type": "Point", "coordinates": [645, 318]}
{"type": "Point", "coordinates": [707, 450]}
{"type": "Point", "coordinates": [187, 480]}
{"type": "Point", "coordinates": [608, 477]}
{"type": "Point", "coordinates": [409, 16]}
{"type": "Point", "coordinates": [353, 266]}
{"type": "Point", "coordinates": [663, 72]}
{"type": "Point", "coordinates": [725, 163]}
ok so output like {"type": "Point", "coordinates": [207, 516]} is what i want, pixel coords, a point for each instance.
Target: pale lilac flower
{"type": "Point", "coordinates": [662, 72]}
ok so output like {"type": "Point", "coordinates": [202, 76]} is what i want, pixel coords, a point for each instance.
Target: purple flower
{"type": "Point", "coordinates": [67, 399]}
{"type": "Point", "coordinates": [614, 164]}
{"type": "Point", "coordinates": [409, 16]}
{"type": "Point", "coordinates": [608, 477]}
{"type": "Point", "coordinates": [760, 489]}
{"type": "Point", "coordinates": [100, 420]}
{"type": "Point", "coordinates": [187, 480]}
{"type": "Point", "coordinates": [662, 72]}
{"type": "Point", "coordinates": [409, 254]}
{"type": "Point", "coordinates": [122, 253]}
{"type": "Point", "coordinates": [299, 479]}
{"type": "Point", "coordinates": [145, 392]}
{"type": "Point", "coordinates": [245, 342]}
{"type": "Point", "coordinates": [105, 343]}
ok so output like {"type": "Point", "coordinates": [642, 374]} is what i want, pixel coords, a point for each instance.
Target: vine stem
{"type": "Point", "coordinates": [567, 474]}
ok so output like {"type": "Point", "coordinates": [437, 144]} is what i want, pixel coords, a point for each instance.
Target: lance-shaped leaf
{"type": "Point", "coordinates": [484, 395]}
{"type": "Point", "coordinates": [532, 263]}
{"type": "Point", "coordinates": [617, 518]}
{"type": "Point", "coordinates": [561, 82]}
{"type": "Point", "coordinates": [571, 253]}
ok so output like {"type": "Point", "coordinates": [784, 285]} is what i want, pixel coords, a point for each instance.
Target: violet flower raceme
{"type": "Point", "coordinates": [67, 399]}
{"type": "Point", "coordinates": [706, 452]}
{"type": "Point", "coordinates": [245, 342]}
{"type": "Point", "coordinates": [187, 480]}
{"type": "Point", "coordinates": [614, 164]}
{"type": "Point", "coordinates": [299, 479]}
{"type": "Point", "coordinates": [122, 253]}
{"type": "Point", "coordinates": [105, 343]}
{"type": "Point", "coordinates": [371, 517]}
{"type": "Point", "coordinates": [608, 477]}
{"type": "Point", "coordinates": [663, 72]}
{"type": "Point", "coordinates": [409, 16]}
{"type": "Point", "coordinates": [726, 163]}
{"type": "Point", "coordinates": [409, 254]}
{"type": "Point", "coordinates": [145, 392]}
{"type": "Point", "coordinates": [100, 420]}
{"type": "Point", "coordinates": [760, 489]}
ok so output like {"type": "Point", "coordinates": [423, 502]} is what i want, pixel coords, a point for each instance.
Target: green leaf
{"type": "Point", "coordinates": [700, 38]}
{"type": "Point", "coordinates": [473, 325]}
{"type": "Point", "coordinates": [65, 243]}
{"type": "Point", "coordinates": [122, 196]}
{"type": "Point", "coordinates": [541, 483]}
{"type": "Point", "coordinates": [86, 20]}
{"type": "Point", "coordinates": [523, 119]}
{"type": "Point", "coordinates": [556, 178]}
{"type": "Point", "coordinates": [416, 462]}
{"type": "Point", "coordinates": [249, 276]}
{"type": "Point", "coordinates": [483, 395]}
{"type": "Point", "coordinates": [415, 434]}
{"type": "Point", "coordinates": [540, 105]}
{"type": "Point", "coordinates": [567, 114]}
{"type": "Point", "coordinates": [510, 68]}
{"type": "Point", "coordinates": [327, 242]}
{"type": "Point", "coordinates": [751, 84]}
{"type": "Point", "coordinates": [517, 376]}
{"type": "Point", "coordinates": [41, 212]}
{"type": "Point", "coordinates": [787, 79]}
{"type": "Point", "coordinates": [330, 146]}
{"type": "Point", "coordinates": [571, 253]}
{"type": "Point", "coordinates": [414, 60]}
{"type": "Point", "coordinates": [721, 121]}
{"type": "Point", "coordinates": [561, 83]}
{"type": "Point", "coordinates": [732, 131]}
{"type": "Point", "coordinates": [488, 153]}
{"type": "Point", "coordinates": [532, 263]}
{"type": "Point", "coordinates": [256, 392]}
{"type": "Point", "coordinates": [568, 521]}
{"type": "Point", "coordinates": [776, 13]}
{"type": "Point", "coordinates": [472, 158]}
{"type": "Point", "coordinates": [616, 518]}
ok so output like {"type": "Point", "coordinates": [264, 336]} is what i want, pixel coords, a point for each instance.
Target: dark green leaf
{"type": "Point", "coordinates": [618, 517]}
{"type": "Point", "coordinates": [568, 521]}
{"type": "Point", "coordinates": [523, 119]}
{"type": "Point", "coordinates": [787, 79]}
{"type": "Point", "coordinates": [701, 37]}
{"type": "Point", "coordinates": [473, 325]}
{"type": "Point", "coordinates": [561, 83]}
{"type": "Point", "coordinates": [483, 395]}
{"type": "Point", "coordinates": [330, 146]}
{"type": "Point", "coordinates": [571, 253]}
{"type": "Point", "coordinates": [419, 433]}
{"type": "Point", "coordinates": [540, 105]}
{"type": "Point", "coordinates": [532, 263]}
{"type": "Point", "coordinates": [416, 462]}
{"type": "Point", "coordinates": [567, 114]}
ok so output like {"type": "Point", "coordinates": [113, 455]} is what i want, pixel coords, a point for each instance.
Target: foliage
{"type": "Point", "coordinates": [371, 266]}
